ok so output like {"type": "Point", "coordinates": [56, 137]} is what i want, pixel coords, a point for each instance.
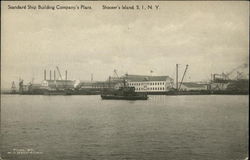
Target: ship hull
{"type": "Point", "coordinates": [114, 97]}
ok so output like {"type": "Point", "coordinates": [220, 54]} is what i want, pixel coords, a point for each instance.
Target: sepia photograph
{"type": "Point", "coordinates": [124, 80]}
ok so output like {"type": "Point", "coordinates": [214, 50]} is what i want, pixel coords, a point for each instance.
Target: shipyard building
{"type": "Point", "coordinates": [141, 83]}
{"type": "Point", "coordinates": [144, 83]}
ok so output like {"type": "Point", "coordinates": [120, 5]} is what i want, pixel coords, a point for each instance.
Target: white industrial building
{"type": "Point", "coordinates": [144, 83]}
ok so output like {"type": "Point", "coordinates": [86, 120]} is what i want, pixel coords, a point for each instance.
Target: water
{"type": "Point", "coordinates": [206, 127]}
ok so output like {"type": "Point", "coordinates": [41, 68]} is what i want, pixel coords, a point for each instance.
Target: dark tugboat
{"type": "Point", "coordinates": [123, 93]}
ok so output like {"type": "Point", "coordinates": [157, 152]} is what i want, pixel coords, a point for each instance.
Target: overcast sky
{"type": "Point", "coordinates": [209, 36]}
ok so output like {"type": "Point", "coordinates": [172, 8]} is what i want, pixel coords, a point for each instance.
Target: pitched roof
{"type": "Point", "coordinates": [135, 78]}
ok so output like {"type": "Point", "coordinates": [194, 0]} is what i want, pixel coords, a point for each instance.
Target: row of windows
{"type": "Point", "coordinates": [151, 88]}
{"type": "Point", "coordinates": [147, 83]}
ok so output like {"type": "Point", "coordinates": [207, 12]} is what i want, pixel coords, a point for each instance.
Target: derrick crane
{"type": "Point", "coordinates": [20, 85]}
{"type": "Point", "coordinates": [118, 78]}
{"type": "Point", "coordinates": [115, 71]}
{"type": "Point", "coordinates": [226, 76]}
{"type": "Point", "coordinates": [59, 72]}
{"type": "Point", "coordinates": [183, 76]}
{"type": "Point", "coordinates": [13, 87]}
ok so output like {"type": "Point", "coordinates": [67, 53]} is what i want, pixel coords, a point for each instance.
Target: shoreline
{"type": "Point", "coordinates": [170, 93]}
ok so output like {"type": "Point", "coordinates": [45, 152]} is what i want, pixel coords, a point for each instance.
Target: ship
{"type": "Point", "coordinates": [58, 92]}
{"type": "Point", "coordinates": [123, 93]}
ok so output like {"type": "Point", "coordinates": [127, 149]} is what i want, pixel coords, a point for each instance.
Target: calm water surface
{"type": "Point", "coordinates": [86, 127]}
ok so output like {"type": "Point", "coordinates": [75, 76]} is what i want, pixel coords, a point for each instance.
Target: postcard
{"type": "Point", "coordinates": [113, 80]}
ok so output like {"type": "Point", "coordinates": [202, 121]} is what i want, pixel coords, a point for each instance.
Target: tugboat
{"type": "Point", "coordinates": [123, 93]}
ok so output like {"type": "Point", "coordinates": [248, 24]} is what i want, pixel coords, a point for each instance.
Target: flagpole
{"type": "Point", "coordinates": [151, 72]}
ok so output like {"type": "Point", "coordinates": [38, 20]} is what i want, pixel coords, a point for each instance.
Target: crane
{"type": "Point", "coordinates": [115, 71]}
{"type": "Point", "coordinates": [13, 87]}
{"type": "Point", "coordinates": [59, 72]}
{"type": "Point", "coordinates": [183, 76]}
{"type": "Point", "coordinates": [118, 78]}
{"type": "Point", "coordinates": [226, 76]}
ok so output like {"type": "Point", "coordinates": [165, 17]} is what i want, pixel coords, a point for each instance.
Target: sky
{"type": "Point", "coordinates": [211, 37]}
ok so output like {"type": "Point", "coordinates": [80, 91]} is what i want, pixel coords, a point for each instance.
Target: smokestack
{"type": "Point", "coordinates": [91, 77]}
{"type": "Point", "coordinates": [50, 74]}
{"type": "Point", "coordinates": [66, 74]}
{"type": "Point", "coordinates": [177, 76]}
{"type": "Point", "coordinates": [44, 74]}
{"type": "Point", "coordinates": [54, 75]}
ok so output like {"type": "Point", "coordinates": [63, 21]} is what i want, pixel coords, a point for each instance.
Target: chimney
{"type": "Point", "coordinates": [50, 75]}
{"type": "Point", "coordinates": [91, 77]}
{"type": "Point", "coordinates": [66, 74]}
{"type": "Point", "coordinates": [54, 75]}
{"type": "Point", "coordinates": [44, 74]}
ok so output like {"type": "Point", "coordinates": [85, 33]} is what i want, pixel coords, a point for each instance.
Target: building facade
{"type": "Point", "coordinates": [58, 84]}
{"type": "Point", "coordinates": [192, 86]}
{"type": "Point", "coordinates": [144, 83]}
{"type": "Point", "coordinates": [96, 85]}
